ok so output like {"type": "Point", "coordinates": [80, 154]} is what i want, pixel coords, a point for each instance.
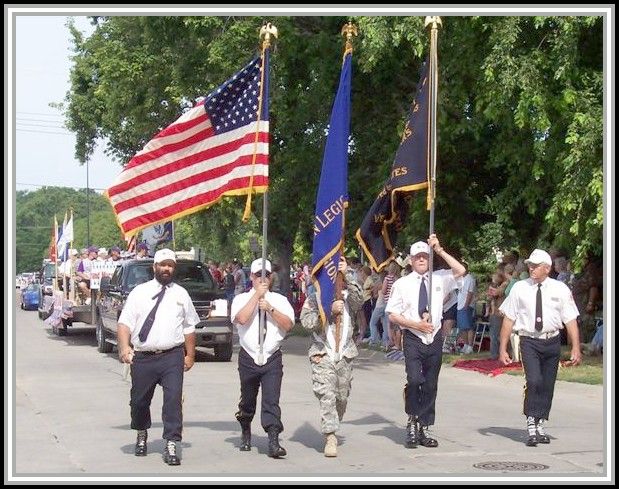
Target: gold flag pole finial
{"type": "Point", "coordinates": [349, 30]}
{"type": "Point", "coordinates": [266, 31]}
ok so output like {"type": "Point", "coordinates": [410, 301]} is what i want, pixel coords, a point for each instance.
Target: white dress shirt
{"type": "Point", "coordinates": [175, 317]}
{"type": "Point", "coordinates": [558, 305]}
{"type": "Point", "coordinates": [248, 334]}
{"type": "Point", "coordinates": [405, 294]}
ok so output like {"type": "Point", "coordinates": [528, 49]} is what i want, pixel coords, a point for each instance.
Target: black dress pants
{"type": "Point", "coordinates": [423, 364]}
{"type": "Point", "coordinates": [269, 376]}
{"type": "Point", "coordinates": [165, 369]}
{"type": "Point", "coordinates": [540, 361]}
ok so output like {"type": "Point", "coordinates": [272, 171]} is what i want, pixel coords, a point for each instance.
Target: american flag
{"type": "Point", "coordinates": [219, 147]}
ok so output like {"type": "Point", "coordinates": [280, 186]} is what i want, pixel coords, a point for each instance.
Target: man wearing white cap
{"type": "Point", "coordinates": [536, 309]}
{"type": "Point", "coordinates": [261, 365]}
{"type": "Point", "coordinates": [159, 320]}
{"type": "Point", "coordinates": [409, 308]}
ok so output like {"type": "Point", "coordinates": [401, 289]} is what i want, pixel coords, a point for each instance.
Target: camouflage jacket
{"type": "Point", "coordinates": [310, 319]}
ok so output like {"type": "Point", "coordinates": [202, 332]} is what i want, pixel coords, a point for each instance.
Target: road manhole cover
{"type": "Point", "coordinates": [510, 466]}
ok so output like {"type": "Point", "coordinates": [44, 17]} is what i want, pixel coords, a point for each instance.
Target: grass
{"type": "Point", "coordinates": [590, 371]}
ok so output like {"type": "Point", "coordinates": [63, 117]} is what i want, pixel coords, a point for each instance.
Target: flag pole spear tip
{"type": "Point", "coordinates": [266, 31]}
{"type": "Point", "coordinates": [349, 30]}
{"type": "Point", "coordinates": [435, 20]}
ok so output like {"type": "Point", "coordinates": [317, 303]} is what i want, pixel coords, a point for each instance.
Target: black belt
{"type": "Point", "coordinates": [158, 352]}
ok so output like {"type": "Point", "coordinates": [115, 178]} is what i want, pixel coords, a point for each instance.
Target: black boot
{"type": "Point", "coordinates": [245, 422]}
{"type": "Point", "coordinates": [140, 443]}
{"type": "Point", "coordinates": [245, 436]}
{"type": "Point", "coordinates": [412, 432]}
{"type": "Point", "coordinates": [170, 456]}
{"type": "Point", "coordinates": [425, 439]}
{"type": "Point", "coordinates": [275, 450]}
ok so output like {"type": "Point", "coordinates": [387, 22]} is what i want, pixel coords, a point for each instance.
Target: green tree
{"type": "Point", "coordinates": [519, 120]}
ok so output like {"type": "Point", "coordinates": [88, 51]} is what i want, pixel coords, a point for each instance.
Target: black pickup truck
{"type": "Point", "coordinates": [212, 332]}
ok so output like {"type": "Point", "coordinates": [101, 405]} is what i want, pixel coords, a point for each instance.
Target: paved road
{"type": "Point", "coordinates": [72, 418]}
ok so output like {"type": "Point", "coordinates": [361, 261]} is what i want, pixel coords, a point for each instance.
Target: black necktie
{"type": "Point", "coordinates": [150, 319]}
{"type": "Point", "coordinates": [539, 324]}
{"type": "Point", "coordinates": [422, 303]}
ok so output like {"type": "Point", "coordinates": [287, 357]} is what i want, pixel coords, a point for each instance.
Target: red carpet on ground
{"type": "Point", "coordinates": [486, 366]}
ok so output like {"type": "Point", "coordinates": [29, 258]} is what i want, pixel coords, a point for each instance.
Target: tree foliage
{"type": "Point", "coordinates": [34, 219]}
{"type": "Point", "coordinates": [519, 120]}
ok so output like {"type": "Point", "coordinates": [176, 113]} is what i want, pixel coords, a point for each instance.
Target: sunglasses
{"type": "Point", "coordinates": [259, 274]}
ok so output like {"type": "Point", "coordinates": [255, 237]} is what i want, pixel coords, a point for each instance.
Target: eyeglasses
{"type": "Point", "coordinates": [259, 274]}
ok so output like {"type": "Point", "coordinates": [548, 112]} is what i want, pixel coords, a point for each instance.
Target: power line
{"type": "Point", "coordinates": [38, 113]}
{"type": "Point", "coordinates": [46, 132]}
{"type": "Point", "coordinates": [33, 124]}
{"type": "Point", "coordinates": [18, 119]}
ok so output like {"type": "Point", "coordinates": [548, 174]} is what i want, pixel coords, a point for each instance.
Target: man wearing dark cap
{"type": "Point", "coordinates": [142, 251]}
{"type": "Point", "coordinates": [409, 307]}
{"type": "Point", "coordinates": [260, 362]}
{"type": "Point", "coordinates": [536, 309]}
{"type": "Point", "coordinates": [114, 254]}
{"type": "Point", "coordinates": [160, 344]}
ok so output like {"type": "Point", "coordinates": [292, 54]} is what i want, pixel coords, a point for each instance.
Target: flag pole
{"type": "Point", "coordinates": [348, 31]}
{"type": "Point", "coordinates": [434, 22]}
{"type": "Point", "coordinates": [266, 32]}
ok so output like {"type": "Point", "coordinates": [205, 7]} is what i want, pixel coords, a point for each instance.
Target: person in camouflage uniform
{"type": "Point", "coordinates": [331, 370]}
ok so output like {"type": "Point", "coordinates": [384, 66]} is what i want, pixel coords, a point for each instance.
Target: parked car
{"type": "Point", "coordinates": [30, 297]}
{"type": "Point", "coordinates": [46, 278]}
{"type": "Point", "coordinates": [213, 331]}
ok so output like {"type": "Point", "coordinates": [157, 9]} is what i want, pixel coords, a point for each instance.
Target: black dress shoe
{"type": "Point", "coordinates": [532, 441]}
{"type": "Point", "coordinates": [169, 455]}
{"type": "Point", "coordinates": [412, 433]}
{"type": "Point", "coordinates": [425, 440]}
{"type": "Point", "coordinates": [140, 444]}
{"type": "Point", "coordinates": [543, 438]}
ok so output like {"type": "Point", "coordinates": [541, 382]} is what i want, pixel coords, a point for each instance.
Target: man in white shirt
{"type": "Point", "coordinates": [536, 309]}
{"type": "Point", "coordinates": [409, 308]}
{"type": "Point", "coordinates": [260, 357]}
{"type": "Point", "coordinates": [159, 320]}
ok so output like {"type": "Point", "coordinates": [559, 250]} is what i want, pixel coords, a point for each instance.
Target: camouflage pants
{"type": "Point", "coordinates": [331, 384]}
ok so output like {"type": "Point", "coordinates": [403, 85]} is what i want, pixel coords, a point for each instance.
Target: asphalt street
{"type": "Point", "coordinates": [71, 418]}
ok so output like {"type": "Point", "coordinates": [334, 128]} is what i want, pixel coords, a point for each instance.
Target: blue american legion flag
{"type": "Point", "coordinates": [219, 147]}
{"type": "Point", "coordinates": [332, 197]}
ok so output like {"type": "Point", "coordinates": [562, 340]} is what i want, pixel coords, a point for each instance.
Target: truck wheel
{"type": "Point", "coordinates": [102, 345]}
{"type": "Point", "coordinates": [223, 353]}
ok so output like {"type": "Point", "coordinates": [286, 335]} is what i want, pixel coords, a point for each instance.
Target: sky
{"type": "Point", "coordinates": [44, 150]}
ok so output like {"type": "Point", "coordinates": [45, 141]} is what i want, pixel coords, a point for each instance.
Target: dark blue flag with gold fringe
{"type": "Point", "coordinates": [332, 196]}
{"type": "Point", "coordinates": [410, 172]}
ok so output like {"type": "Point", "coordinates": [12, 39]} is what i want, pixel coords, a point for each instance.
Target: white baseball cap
{"type": "Point", "coordinates": [165, 254]}
{"type": "Point", "coordinates": [539, 256]}
{"type": "Point", "coordinates": [420, 247]}
{"type": "Point", "coordinates": [256, 266]}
